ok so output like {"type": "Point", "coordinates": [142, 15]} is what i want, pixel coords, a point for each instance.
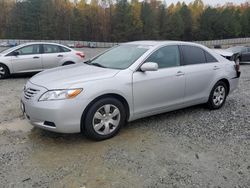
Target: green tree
{"type": "Point", "coordinates": [208, 21]}
{"type": "Point", "coordinates": [162, 22]}
{"type": "Point", "coordinates": [186, 16]}
{"type": "Point", "coordinates": [150, 30]}
{"type": "Point", "coordinates": [245, 23]}
{"type": "Point", "coordinates": [123, 21]}
{"type": "Point", "coordinates": [226, 24]}
{"type": "Point", "coordinates": [175, 29]}
{"type": "Point", "coordinates": [137, 22]}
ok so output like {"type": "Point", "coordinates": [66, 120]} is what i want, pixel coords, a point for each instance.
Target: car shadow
{"type": "Point", "coordinates": [22, 75]}
{"type": "Point", "coordinates": [132, 128]}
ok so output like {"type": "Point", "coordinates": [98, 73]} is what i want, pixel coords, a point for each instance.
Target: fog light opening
{"type": "Point", "coordinates": [50, 124]}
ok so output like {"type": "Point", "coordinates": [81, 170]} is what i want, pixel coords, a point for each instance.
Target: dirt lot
{"type": "Point", "coordinates": [194, 147]}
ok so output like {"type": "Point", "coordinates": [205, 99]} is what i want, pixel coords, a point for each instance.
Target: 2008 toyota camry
{"type": "Point", "coordinates": [128, 82]}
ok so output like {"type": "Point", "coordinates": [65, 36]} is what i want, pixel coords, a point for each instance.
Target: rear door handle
{"type": "Point", "coordinates": [60, 56]}
{"type": "Point", "coordinates": [216, 67]}
{"type": "Point", "coordinates": [179, 73]}
{"type": "Point", "coordinates": [36, 57]}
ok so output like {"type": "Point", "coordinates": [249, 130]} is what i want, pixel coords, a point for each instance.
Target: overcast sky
{"type": "Point", "coordinates": [209, 2]}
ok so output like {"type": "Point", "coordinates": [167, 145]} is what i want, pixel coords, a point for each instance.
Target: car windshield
{"type": "Point", "coordinates": [120, 57]}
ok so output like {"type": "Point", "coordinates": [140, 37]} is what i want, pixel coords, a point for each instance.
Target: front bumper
{"type": "Point", "coordinates": [63, 116]}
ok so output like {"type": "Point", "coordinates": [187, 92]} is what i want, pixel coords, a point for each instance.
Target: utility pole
{"type": "Point", "coordinates": [69, 29]}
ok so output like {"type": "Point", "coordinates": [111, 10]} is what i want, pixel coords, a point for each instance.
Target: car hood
{"type": "Point", "coordinates": [225, 53]}
{"type": "Point", "coordinates": [71, 75]}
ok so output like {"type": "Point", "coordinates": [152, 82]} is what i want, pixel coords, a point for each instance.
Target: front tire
{"type": "Point", "coordinates": [4, 72]}
{"type": "Point", "coordinates": [218, 96]}
{"type": "Point", "coordinates": [104, 119]}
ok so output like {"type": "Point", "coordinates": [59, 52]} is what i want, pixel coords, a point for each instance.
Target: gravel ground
{"type": "Point", "coordinates": [193, 147]}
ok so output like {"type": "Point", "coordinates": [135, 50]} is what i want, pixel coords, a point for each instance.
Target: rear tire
{"type": "Point", "coordinates": [104, 119]}
{"type": "Point", "coordinates": [4, 71]}
{"type": "Point", "coordinates": [218, 96]}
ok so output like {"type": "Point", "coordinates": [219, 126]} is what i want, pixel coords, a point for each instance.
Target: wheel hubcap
{"type": "Point", "coordinates": [2, 71]}
{"type": "Point", "coordinates": [219, 95]}
{"type": "Point", "coordinates": [106, 119]}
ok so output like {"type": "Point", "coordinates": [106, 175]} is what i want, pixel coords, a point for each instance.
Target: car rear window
{"type": "Point", "coordinates": [63, 49]}
{"type": "Point", "coordinates": [210, 58]}
{"type": "Point", "coordinates": [193, 55]}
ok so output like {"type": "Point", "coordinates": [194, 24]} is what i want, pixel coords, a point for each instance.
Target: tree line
{"type": "Point", "coordinates": [121, 20]}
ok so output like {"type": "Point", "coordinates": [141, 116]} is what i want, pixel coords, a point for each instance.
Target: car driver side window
{"type": "Point", "coordinates": [165, 57]}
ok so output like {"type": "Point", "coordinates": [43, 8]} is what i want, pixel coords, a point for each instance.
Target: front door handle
{"type": "Point", "coordinates": [179, 73]}
{"type": "Point", "coordinates": [216, 67]}
{"type": "Point", "coordinates": [36, 57]}
{"type": "Point", "coordinates": [60, 56]}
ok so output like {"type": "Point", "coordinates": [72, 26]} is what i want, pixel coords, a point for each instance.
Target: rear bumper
{"type": "Point", "coordinates": [238, 74]}
{"type": "Point", "coordinates": [234, 82]}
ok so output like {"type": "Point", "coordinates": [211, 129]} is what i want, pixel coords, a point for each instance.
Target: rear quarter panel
{"type": "Point", "coordinates": [70, 57]}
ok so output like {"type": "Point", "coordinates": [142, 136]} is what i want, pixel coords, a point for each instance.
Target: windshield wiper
{"type": "Point", "coordinates": [95, 64]}
{"type": "Point", "coordinates": [98, 65]}
{"type": "Point", "coordinates": [88, 62]}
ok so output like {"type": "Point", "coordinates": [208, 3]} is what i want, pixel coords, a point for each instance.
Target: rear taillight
{"type": "Point", "coordinates": [237, 66]}
{"type": "Point", "coordinates": [80, 54]}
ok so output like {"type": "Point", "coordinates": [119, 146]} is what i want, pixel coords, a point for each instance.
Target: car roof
{"type": "Point", "coordinates": [156, 43]}
{"type": "Point", "coordinates": [31, 43]}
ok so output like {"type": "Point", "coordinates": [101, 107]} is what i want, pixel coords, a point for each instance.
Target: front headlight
{"type": "Point", "coordinates": [60, 94]}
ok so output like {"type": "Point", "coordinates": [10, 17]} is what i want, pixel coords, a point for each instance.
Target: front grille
{"type": "Point", "coordinates": [30, 93]}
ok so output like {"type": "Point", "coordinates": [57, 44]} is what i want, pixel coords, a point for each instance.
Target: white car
{"type": "Point", "coordinates": [125, 83]}
{"type": "Point", "coordinates": [35, 57]}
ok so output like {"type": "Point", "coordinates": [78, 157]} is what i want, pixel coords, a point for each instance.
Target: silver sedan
{"type": "Point", "coordinates": [125, 83]}
{"type": "Point", "coordinates": [35, 57]}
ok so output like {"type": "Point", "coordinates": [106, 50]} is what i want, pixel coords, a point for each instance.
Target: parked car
{"type": "Point", "coordinates": [128, 82]}
{"type": "Point", "coordinates": [4, 44]}
{"type": "Point", "coordinates": [8, 44]}
{"type": "Point", "coordinates": [78, 45]}
{"type": "Point", "coordinates": [35, 57]}
{"type": "Point", "coordinates": [92, 44]}
{"type": "Point", "coordinates": [236, 53]}
{"type": "Point", "coordinates": [71, 45]}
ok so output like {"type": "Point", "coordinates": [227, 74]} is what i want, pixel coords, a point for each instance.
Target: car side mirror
{"type": "Point", "coordinates": [16, 53]}
{"type": "Point", "coordinates": [149, 66]}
